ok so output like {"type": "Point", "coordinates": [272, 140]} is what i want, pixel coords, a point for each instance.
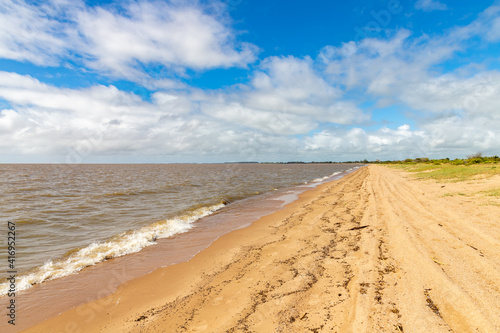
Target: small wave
{"type": "Point", "coordinates": [319, 180]}
{"type": "Point", "coordinates": [127, 193]}
{"type": "Point", "coordinates": [119, 245]}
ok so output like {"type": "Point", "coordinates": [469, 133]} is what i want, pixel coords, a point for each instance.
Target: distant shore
{"type": "Point", "coordinates": [376, 251]}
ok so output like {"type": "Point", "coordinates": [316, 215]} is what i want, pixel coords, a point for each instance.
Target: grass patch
{"type": "Point", "coordinates": [492, 193]}
{"type": "Point", "coordinates": [454, 194]}
{"type": "Point", "coordinates": [416, 167]}
{"type": "Point", "coordinates": [450, 172]}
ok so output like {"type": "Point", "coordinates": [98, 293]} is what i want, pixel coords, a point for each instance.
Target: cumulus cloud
{"type": "Point", "coordinates": [303, 108]}
{"type": "Point", "coordinates": [48, 119]}
{"type": "Point", "coordinates": [452, 108]}
{"type": "Point", "coordinates": [79, 125]}
{"type": "Point", "coordinates": [475, 95]}
{"type": "Point", "coordinates": [402, 69]}
{"type": "Point", "coordinates": [266, 121]}
{"type": "Point", "coordinates": [286, 96]}
{"type": "Point", "coordinates": [430, 5]}
{"type": "Point", "coordinates": [172, 35]}
{"type": "Point", "coordinates": [463, 133]}
{"type": "Point", "coordinates": [357, 142]}
{"type": "Point", "coordinates": [76, 125]}
{"type": "Point", "coordinates": [385, 65]}
{"type": "Point", "coordinates": [121, 41]}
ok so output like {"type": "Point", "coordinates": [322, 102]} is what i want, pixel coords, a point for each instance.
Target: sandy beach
{"type": "Point", "coordinates": [376, 251]}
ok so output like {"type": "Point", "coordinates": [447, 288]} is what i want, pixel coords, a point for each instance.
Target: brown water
{"type": "Point", "coordinates": [71, 217]}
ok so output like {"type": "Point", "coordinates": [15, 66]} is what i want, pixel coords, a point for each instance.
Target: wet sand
{"type": "Point", "coordinates": [376, 251]}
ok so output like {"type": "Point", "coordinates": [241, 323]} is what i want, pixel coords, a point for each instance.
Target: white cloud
{"type": "Point", "coordinates": [79, 125]}
{"type": "Point", "coordinates": [474, 95]}
{"type": "Point", "coordinates": [32, 33]}
{"type": "Point", "coordinates": [402, 69]}
{"type": "Point", "coordinates": [430, 5]}
{"type": "Point", "coordinates": [451, 135]}
{"type": "Point", "coordinates": [122, 42]}
{"type": "Point", "coordinates": [494, 33]}
{"type": "Point", "coordinates": [292, 107]}
{"type": "Point", "coordinates": [176, 36]}
{"type": "Point", "coordinates": [447, 136]}
{"type": "Point", "coordinates": [457, 111]}
{"type": "Point", "coordinates": [48, 119]}
{"type": "Point", "coordinates": [358, 142]}
{"type": "Point", "coordinates": [268, 121]}
{"type": "Point", "coordinates": [491, 19]}
{"type": "Point", "coordinates": [286, 96]}
{"type": "Point", "coordinates": [290, 85]}
{"type": "Point", "coordinates": [384, 65]}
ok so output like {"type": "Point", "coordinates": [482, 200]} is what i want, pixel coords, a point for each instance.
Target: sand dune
{"type": "Point", "coordinates": [376, 251]}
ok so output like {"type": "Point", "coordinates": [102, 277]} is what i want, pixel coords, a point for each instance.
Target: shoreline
{"type": "Point", "coordinates": [373, 251]}
{"type": "Point", "coordinates": [103, 219]}
{"type": "Point", "coordinates": [102, 279]}
{"type": "Point", "coordinates": [87, 313]}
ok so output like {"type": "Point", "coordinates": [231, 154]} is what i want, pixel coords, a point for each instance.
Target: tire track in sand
{"type": "Point", "coordinates": [441, 271]}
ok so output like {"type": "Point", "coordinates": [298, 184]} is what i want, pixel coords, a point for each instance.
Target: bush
{"type": "Point", "coordinates": [476, 160]}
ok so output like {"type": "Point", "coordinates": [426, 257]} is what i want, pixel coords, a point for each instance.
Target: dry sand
{"type": "Point", "coordinates": [376, 251]}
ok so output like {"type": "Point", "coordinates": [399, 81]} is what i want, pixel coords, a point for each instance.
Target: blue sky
{"type": "Point", "coordinates": [240, 80]}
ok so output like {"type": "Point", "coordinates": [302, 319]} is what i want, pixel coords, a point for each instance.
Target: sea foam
{"type": "Point", "coordinates": [119, 245]}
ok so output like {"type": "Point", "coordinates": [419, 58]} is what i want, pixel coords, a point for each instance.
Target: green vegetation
{"type": "Point", "coordinates": [474, 166]}
{"type": "Point", "coordinates": [492, 193]}
{"type": "Point", "coordinates": [471, 159]}
{"type": "Point", "coordinates": [456, 172]}
{"type": "Point", "coordinates": [454, 194]}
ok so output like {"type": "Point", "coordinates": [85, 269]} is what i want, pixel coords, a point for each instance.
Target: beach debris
{"type": "Point", "coordinates": [437, 262]}
{"type": "Point", "coordinates": [431, 304]}
{"type": "Point", "coordinates": [364, 287]}
{"type": "Point", "coordinates": [475, 248]}
{"type": "Point", "coordinates": [360, 227]}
